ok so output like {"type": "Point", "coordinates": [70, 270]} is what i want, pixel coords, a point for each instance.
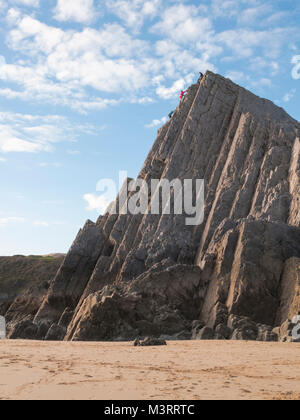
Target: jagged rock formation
{"type": "Point", "coordinates": [234, 276]}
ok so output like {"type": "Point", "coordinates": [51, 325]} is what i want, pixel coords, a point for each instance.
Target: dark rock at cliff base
{"type": "Point", "coordinates": [205, 333]}
{"type": "Point", "coordinates": [150, 341]}
{"type": "Point", "coordinates": [25, 330]}
{"type": "Point", "coordinates": [223, 331]}
{"type": "Point", "coordinates": [266, 333]}
{"type": "Point", "coordinates": [153, 275]}
{"type": "Point", "coordinates": [55, 333]}
{"type": "Point", "coordinates": [196, 328]}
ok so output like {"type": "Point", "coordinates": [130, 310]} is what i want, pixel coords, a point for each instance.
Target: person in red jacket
{"type": "Point", "coordinates": [182, 94]}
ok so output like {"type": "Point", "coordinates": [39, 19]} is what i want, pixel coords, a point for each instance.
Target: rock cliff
{"type": "Point", "coordinates": [234, 276]}
{"type": "Point", "coordinates": [24, 282]}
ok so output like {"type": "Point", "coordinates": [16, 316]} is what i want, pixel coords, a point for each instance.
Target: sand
{"type": "Point", "coordinates": [31, 370]}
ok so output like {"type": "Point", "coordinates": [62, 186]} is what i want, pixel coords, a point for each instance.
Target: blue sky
{"type": "Point", "coordinates": [84, 86]}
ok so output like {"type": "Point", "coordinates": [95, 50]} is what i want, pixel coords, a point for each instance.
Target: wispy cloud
{"type": "Point", "coordinates": [53, 164]}
{"type": "Point", "coordinates": [156, 123]}
{"type": "Point", "coordinates": [37, 133]}
{"type": "Point", "coordinates": [81, 11]}
{"type": "Point", "coordinates": [4, 221]}
{"type": "Point", "coordinates": [40, 224]}
{"type": "Point", "coordinates": [184, 24]}
{"type": "Point", "coordinates": [97, 202]}
{"type": "Point", "coordinates": [134, 12]}
{"type": "Point", "coordinates": [45, 224]}
{"type": "Point", "coordinates": [288, 96]}
{"type": "Point", "coordinates": [245, 43]}
{"type": "Point", "coordinates": [73, 152]}
{"type": "Point", "coordinates": [169, 92]}
{"type": "Point", "coordinates": [31, 3]}
{"type": "Point", "coordinates": [11, 140]}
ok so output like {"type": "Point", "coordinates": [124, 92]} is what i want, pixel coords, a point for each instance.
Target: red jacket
{"type": "Point", "coordinates": [182, 94]}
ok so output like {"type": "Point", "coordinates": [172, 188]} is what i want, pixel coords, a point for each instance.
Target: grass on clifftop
{"type": "Point", "coordinates": [18, 274]}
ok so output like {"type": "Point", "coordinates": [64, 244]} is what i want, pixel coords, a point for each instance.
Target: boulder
{"type": "Point", "coordinates": [23, 330]}
{"type": "Point", "coordinates": [266, 333]}
{"type": "Point", "coordinates": [205, 333]}
{"type": "Point", "coordinates": [55, 333]}
{"type": "Point", "coordinates": [150, 341]}
{"type": "Point", "coordinates": [244, 333]}
{"type": "Point", "coordinates": [196, 327]}
{"type": "Point", "coordinates": [224, 331]}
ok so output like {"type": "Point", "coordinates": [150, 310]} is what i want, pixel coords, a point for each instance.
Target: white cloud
{"type": "Point", "coordinates": [263, 82]}
{"type": "Point", "coordinates": [108, 60]}
{"type": "Point", "coordinates": [180, 84]}
{"type": "Point", "coordinates": [240, 10]}
{"type": "Point", "coordinates": [40, 224]}
{"type": "Point", "coordinates": [242, 78]}
{"type": "Point", "coordinates": [288, 96]}
{"type": "Point", "coordinates": [68, 62]}
{"type": "Point", "coordinates": [53, 164]}
{"type": "Point", "coordinates": [134, 12]}
{"type": "Point", "coordinates": [245, 42]}
{"type": "Point", "coordinates": [4, 221]}
{"type": "Point", "coordinates": [12, 141]}
{"type": "Point", "coordinates": [97, 202]}
{"type": "Point", "coordinates": [187, 42]}
{"type": "Point", "coordinates": [175, 60]}
{"type": "Point", "coordinates": [102, 66]}
{"type": "Point", "coordinates": [224, 7]}
{"type": "Point", "coordinates": [73, 152]}
{"type": "Point", "coordinates": [81, 11]}
{"type": "Point", "coordinates": [237, 76]}
{"type": "Point", "coordinates": [2, 159]}
{"type": "Point", "coordinates": [156, 123]}
{"type": "Point", "coordinates": [251, 15]}
{"type": "Point", "coordinates": [260, 64]}
{"type": "Point", "coordinates": [31, 3]}
{"type": "Point", "coordinates": [33, 35]}
{"type": "Point", "coordinates": [36, 133]}
{"type": "Point", "coordinates": [183, 24]}
{"type": "Point", "coordinates": [141, 101]}
{"type": "Point", "coordinates": [44, 224]}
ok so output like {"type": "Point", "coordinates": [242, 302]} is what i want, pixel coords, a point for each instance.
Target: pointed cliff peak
{"type": "Point", "coordinates": [235, 274]}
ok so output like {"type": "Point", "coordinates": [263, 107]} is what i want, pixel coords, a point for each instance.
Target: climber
{"type": "Point", "coordinates": [171, 114]}
{"type": "Point", "coordinates": [182, 94]}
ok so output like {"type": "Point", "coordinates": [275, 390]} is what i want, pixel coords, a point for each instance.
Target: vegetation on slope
{"type": "Point", "coordinates": [19, 274]}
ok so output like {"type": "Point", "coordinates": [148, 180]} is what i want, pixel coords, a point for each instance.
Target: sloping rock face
{"type": "Point", "coordinates": [232, 276]}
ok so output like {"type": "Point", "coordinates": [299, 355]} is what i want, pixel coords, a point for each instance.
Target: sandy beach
{"type": "Point", "coordinates": [198, 370]}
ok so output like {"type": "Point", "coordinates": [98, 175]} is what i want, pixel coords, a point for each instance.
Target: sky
{"type": "Point", "coordinates": [85, 84]}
